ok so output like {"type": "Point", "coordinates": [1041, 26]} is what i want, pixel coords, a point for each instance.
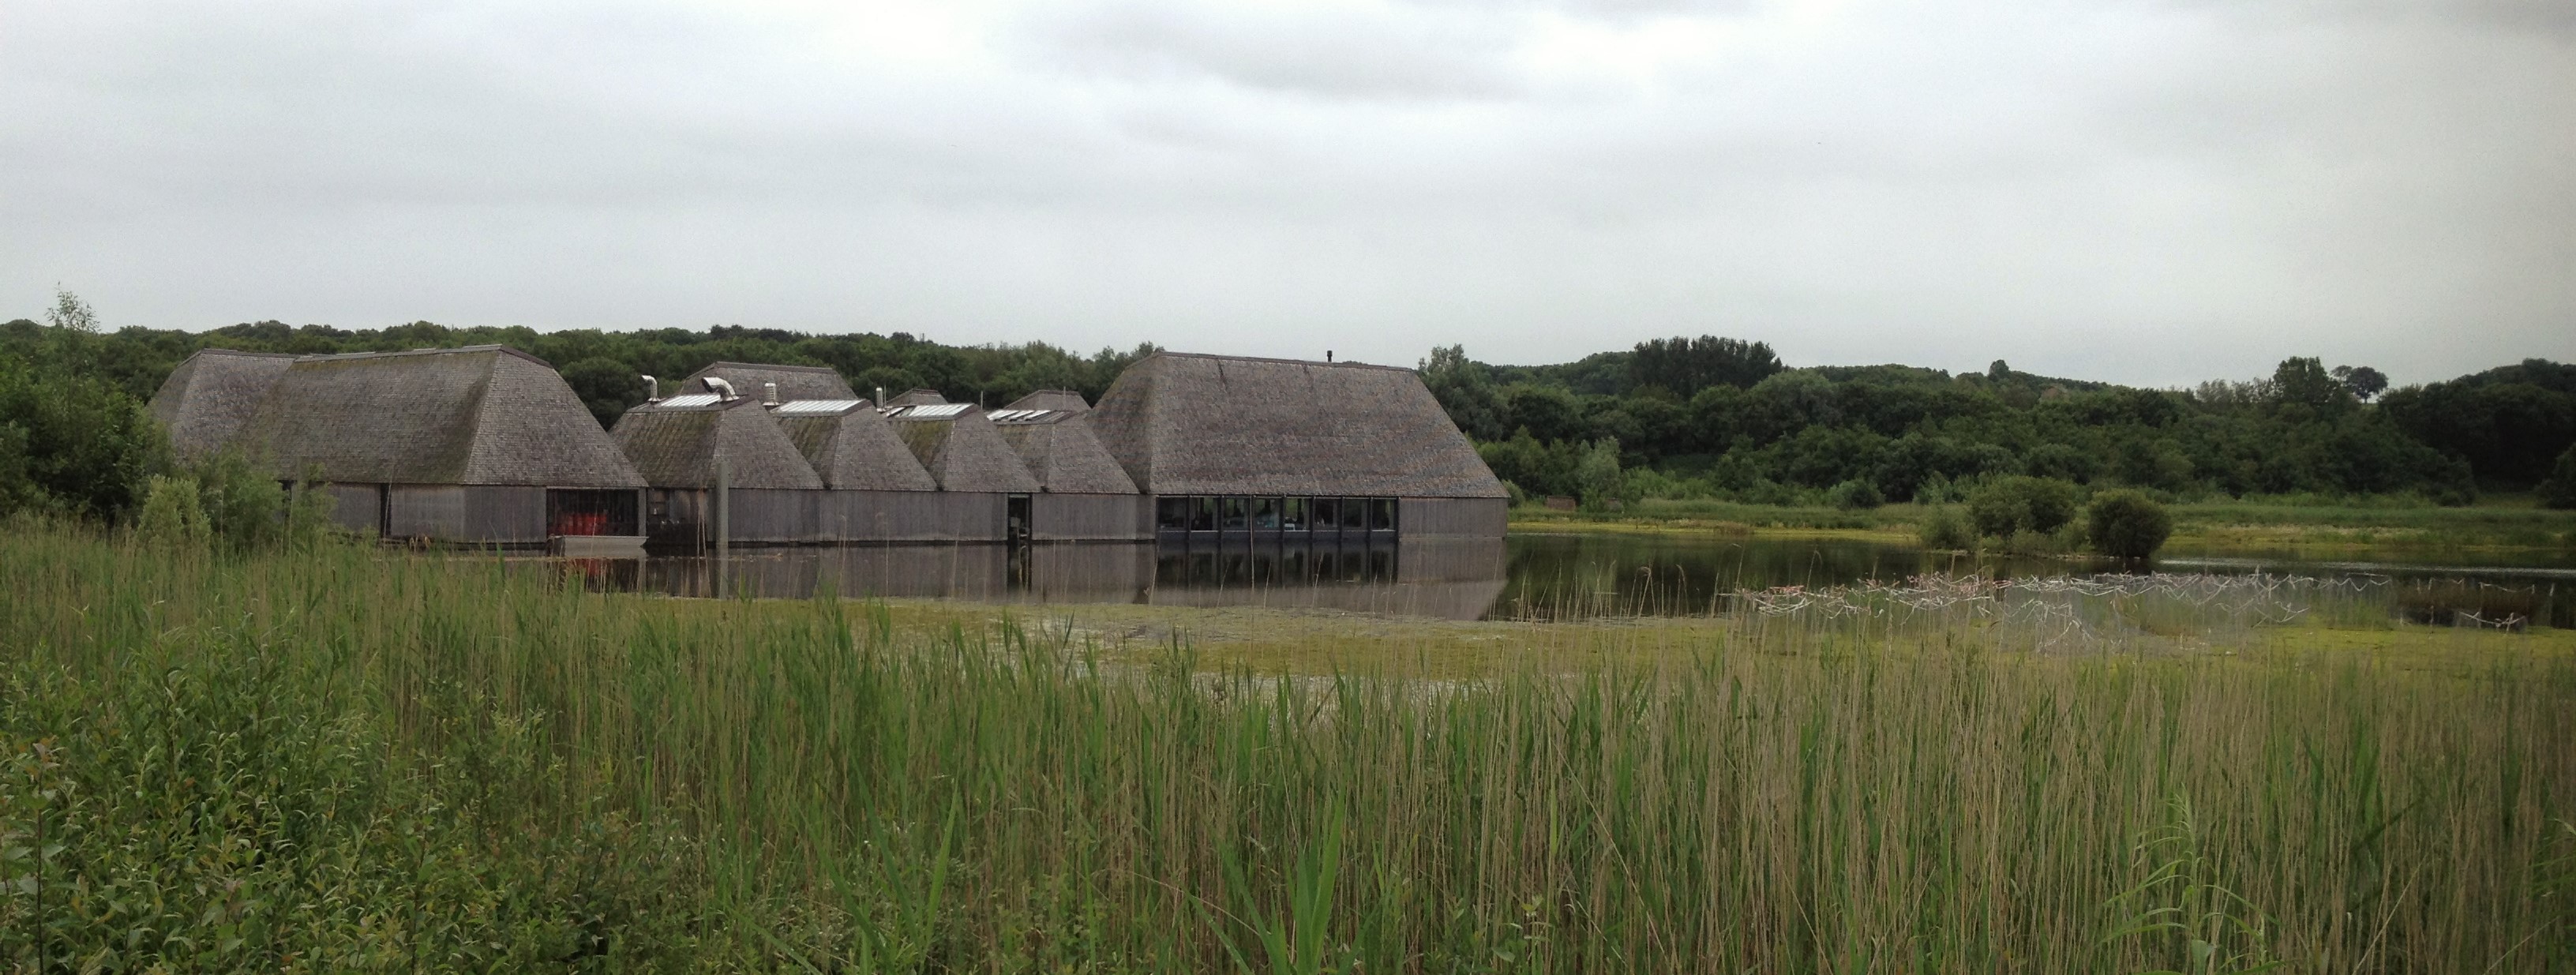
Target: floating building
{"type": "Point", "coordinates": [989, 485]}
{"type": "Point", "coordinates": [875, 490]}
{"type": "Point", "coordinates": [679, 444]}
{"type": "Point", "coordinates": [209, 399]}
{"type": "Point", "coordinates": [1202, 454]}
{"type": "Point", "coordinates": [774, 383]}
{"type": "Point", "coordinates": [483, 445]}
{"type": "Point", "coordinates": [1084, 495]}
{"type": "Point", "coordinates": [1271, 449]}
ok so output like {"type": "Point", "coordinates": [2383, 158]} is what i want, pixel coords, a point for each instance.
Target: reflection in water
{"type": "Point", "coordinates": [1523, 577]}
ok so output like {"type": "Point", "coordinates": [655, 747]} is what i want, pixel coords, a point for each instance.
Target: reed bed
{"type": "Point", "coordinates": [359, 760]}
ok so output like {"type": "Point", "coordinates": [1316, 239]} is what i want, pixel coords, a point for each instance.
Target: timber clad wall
{"type": "Point", "coordinates": [1463, 517]}
{"type": "Point", "coordinates": [1091, 517]}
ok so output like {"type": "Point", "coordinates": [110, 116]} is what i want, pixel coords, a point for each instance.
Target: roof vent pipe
{"type": "Point", "coordinates": [880, 397]}
{"type": "Point", "coordinates": [1328, 355]}
{"type": "Point", "coordinates": [722, 389]}
{"type": "Point", "coordinates": [652, 390]}
{"type": "Point", "coordinates": [769, 394]}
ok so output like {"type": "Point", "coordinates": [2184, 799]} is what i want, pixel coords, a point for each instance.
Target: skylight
{"type": "Point", "coordinates": [819, 407]}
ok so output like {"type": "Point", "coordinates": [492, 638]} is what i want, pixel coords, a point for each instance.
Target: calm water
{"type": "Point", "coordinates": [1524, 576]}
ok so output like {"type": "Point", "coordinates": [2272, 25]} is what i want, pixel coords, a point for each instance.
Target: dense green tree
{"type": "Point", "coordinates": [2126, 524]}
{"type": "Point", "coordinates": [2017, 504]}
{"type": "Point", "coordinates": [1684, 366]}
{"type": "Point", "coordinates": [2559, 491]}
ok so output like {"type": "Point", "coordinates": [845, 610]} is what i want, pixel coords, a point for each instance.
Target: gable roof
{"type": "Point", "coordinates": [1063, 454]}
{"type": "Point", "coordinates": [207, 400]}
{"type": "Point", "coordinates": [794, 382]}
{"type": "Point", "coordinates": [962, 451]}
{"type": "Point", "coordinates": [915, 397]}
{"type": "Point", "coordinates": [484, 414]}
{"type": "Point", "coordinates": [1051, 399]}
{"type": "Point", "coordinates": [851, 447]}
{"type": "Point", "coordinates": [1203, 424]}
{"type": "Point", "coordinates": [677, 446]}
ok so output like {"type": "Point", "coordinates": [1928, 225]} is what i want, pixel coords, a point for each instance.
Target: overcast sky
{"type": "Point", "coordinates": [2147, 192]}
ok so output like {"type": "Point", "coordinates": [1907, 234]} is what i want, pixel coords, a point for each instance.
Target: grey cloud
{"type": "Point", "coordinates": [1319, 52]}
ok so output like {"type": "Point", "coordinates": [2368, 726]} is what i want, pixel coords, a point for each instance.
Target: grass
{"type": "Point", "coordinates": [354, 760]}
{"type": "Point", "coordinates": [2323, 527]}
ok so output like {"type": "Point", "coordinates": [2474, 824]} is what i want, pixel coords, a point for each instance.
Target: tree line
{"type": "Point", "coordinates": [1682, 417]}
{"type": "Point", "coordinates": [1723, 418]}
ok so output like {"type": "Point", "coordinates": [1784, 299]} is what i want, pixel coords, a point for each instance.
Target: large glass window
{"type": "Point", "coordinates": [1327, 514]}
{"type": "Point", "coordinates": [1231, 513]}
{"type": "Point", "coordinates": [1172, 514]}
{"type": "Point", "coordinates": [1381, 514]}
{"type": "Point", "coordinates": [1292, 515]}
{"type": "Point", "coordinates": [1265, 513]}
{"type": "Point", "coordinates": [1202, 514]}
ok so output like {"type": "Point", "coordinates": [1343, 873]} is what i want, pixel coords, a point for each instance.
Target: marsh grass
{"type": "Point", "coordinates": [358, 760]}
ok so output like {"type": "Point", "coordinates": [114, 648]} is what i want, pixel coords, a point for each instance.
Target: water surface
{"type": "Point", "coordinates": [1532, 576]}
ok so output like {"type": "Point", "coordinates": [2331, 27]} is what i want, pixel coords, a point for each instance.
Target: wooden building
{"type": "Point", "coordinates": [753, 380]}
{"type": "Point", "coordinates": [676, 443]}
{"type": "Point", "coordinates": [483, 445]}
{"type": "Point", "coordinates": [874, 489]}
{"type": "Point", "coordinates": [990, 486]}
{"type": "Point", "coordinates": [209, 399]}
{"type": "Point", "coordinates": [1083, 495]}
{"type": "Point", "coordinates": [1283, 452]}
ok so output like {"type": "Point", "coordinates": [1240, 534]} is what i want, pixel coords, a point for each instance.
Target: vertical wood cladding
{"type": "Point", "coordinates": [1091, 517]}
{"type": "Point", "coordinates": [1467, 517]}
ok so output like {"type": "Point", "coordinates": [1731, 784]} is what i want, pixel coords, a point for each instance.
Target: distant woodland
{"type": "Point", "coordinates": [1683, 417]}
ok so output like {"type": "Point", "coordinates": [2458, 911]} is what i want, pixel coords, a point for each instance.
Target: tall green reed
{"type": "Point", "coordinates": [816, 784]}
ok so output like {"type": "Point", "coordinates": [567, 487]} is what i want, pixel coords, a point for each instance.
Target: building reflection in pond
{"type": "Point", "coordinates": [1448, 578]}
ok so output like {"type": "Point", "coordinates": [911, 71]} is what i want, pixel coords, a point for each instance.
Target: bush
{"type": "Point", "coordinates": [1513, 491]}
{"type": "Point", "coordinates": [172, 514]}
{"type": "Point", "coordinates": [2559, 491]}
{"type": "Point", "coordinates": [1855, 495]}
{"type": "Point", "coordinates": [2126, 524]}
{"type": "Point", "coordinates": [1947, 530]}
{"type": "Point", "coordinates": [2014, 504]}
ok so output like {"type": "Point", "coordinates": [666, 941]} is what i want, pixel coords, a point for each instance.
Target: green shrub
{"type": "Point", "coordinates": [1513, 491]}
{"type": "Point", "coordinates": [2014, 504]}
{"type": "Point", "coordinates": [2126, 524]}
{"type": "Point", "coordinates": [2559, 491]}
{"type": "Point", "coordinates": [1945, 529]}
{"type": "Point", "coordinates": [1855, 495]}
{"type": "Point", "coordinates": [172, 514]}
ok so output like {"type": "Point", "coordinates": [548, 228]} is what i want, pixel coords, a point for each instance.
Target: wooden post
{"type": "Point", "coordinates": [724, 524]}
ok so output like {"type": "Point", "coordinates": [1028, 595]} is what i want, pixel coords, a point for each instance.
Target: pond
{"type": "Point", "coordinates": [1530, 576]}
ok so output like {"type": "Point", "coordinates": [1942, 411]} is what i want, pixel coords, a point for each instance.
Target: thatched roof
{"type": "Point", "coordinates": [483, 414]}
{"type": "Point", "coordinates": [1061, 451]}
{"type": "Point", "coordinates": [208, 399]}
{"type": "Point", "coordinates": [1202, 424]}
{"type": "Point", "coordinates": [1051, 399]}
{"type": "Point", "coordinates": [960, 448]}
{"type": "Point", "coordinates": [794, 382]}
{"type": "Point", "coordinates": [915, 397]}
{"type": "Point", "coordinates": [852, 447]}
{"type": "Point", "coordinates": [676, 446]}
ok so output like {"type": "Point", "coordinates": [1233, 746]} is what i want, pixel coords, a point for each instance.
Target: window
{"type": "Point", "coordinates": [1292, 515]}
{"type": "Point", "coordinates": [1231, 514]}
{"type": "Point", "coordinates": [1265, 513]}
{"type": "Point", "coordinates": [1381, 514]}
{"type": "Point", "coordinates": [1202, 514]}
{"type": "Point", "coordinates": [1172, 514]}
{"type": "Point", "coordinates": [1327, 514]}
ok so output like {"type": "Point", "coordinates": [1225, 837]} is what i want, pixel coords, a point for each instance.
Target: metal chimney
{"type": "Point", "coordinates": [769, 394]}
{"type": "Point", "coordinates": [652, 390]}
{"type": "Point", "coordinates": [722, 389]}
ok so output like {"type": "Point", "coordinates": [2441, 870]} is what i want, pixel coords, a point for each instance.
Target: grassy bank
{"type": "Point", "coordinates": [2209, 526]}
{"type": "Point", "coordinates": [356, 760]}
